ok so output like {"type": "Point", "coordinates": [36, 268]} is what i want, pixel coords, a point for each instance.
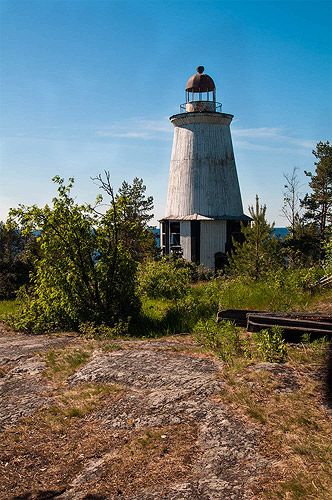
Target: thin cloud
{"type": "Point", "coordinates": [138, 129]}
{"type": "Point", "coordinates": [251, 146]}
{"type": "Point", "coordinates": [269, 139]}
{"type": "Point", "coordinates": [256, 133]}
{"type": "Point", "coordinates": [125, 135]}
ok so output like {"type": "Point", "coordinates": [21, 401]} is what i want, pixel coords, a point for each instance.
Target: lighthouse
{"type": "Point", "coordinates": [204, 207]}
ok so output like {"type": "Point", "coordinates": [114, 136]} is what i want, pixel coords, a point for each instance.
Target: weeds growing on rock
{"type": "Point", "coordinates": [102, 331]}
{"type": "Point", "coordinates": [271, 345]}
{"type": "Point", "coordinates": [223, 339]}
{"type": "Point", "coordinates": [62, 363]}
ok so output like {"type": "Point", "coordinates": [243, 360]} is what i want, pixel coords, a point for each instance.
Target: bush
{"type": "Point", "coordinates": [91, 330]}
{"type": "Point", "coordinates": [163, 279]}
{"type": "Point", "coordinates": [197, 272]}
{"type": "Point", "coordinates": [87, 261]}
{"type": "Point", "coordinates": [16, 260]}
{"type": "Point", "coordinates": [222, 338]}
{"type": "Point", "coordinates": [271, 345]}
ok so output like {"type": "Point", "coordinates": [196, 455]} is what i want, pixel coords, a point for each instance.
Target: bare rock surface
{"type": "Point", "coordinates": [167, 390]}
{"type": "Point", "coordinates": [22, 388]}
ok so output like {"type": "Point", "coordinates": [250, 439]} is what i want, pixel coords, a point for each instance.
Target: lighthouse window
{"type": "Point", "coordinates": [175, 233]}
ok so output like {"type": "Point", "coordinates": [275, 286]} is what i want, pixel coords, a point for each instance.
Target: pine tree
{"type": "Point", "coordinates": [318, 203]}
{"type": "Point", "coordinates": [258, 254]}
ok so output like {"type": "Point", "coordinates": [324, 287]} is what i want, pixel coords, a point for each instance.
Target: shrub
{"type": "Point", "coordinates": [16, 260]}
{"type": "Point", "coordinates": [271, 345]}
{"type": "Point", "coordinates": [91, 330]}
{"type": "Point", "coordinates": [222, 338]}
{"type": "Point", "coordinates": [87, 262]}
{"type": "Point", "coordinates": [197, 272]}
{"type": "Point", "coordinates": [163, 279]}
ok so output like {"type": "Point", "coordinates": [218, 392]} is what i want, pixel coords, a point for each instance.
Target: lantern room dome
{"type": "Point", "coordinates": [200, 82]}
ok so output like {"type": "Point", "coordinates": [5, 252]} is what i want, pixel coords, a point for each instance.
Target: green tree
{"type": "Point", "coordinates": [134, 213]}
{"type": "Point", "coordinates": [318, 203]}
{"type": "Point", "coordinates": [259, 252]}
{"type": "Point", "coordinates": [300, 246]}
{"type": "Point", "coordinates": [328, 256]}
{"type": "Point", "coordinates": [86, 271]}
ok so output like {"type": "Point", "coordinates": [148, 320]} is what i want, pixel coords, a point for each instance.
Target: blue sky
{"type": "Point", "coordinates": [88, 85]}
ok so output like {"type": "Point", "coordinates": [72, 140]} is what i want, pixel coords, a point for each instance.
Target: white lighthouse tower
{"type": "Point", "coordinates": [204, 206]}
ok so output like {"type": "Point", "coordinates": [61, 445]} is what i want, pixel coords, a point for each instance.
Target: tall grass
{"type": "Point", "coordinates": [282, 291]}
{"type": "Point", "coordinates": [223, 339]}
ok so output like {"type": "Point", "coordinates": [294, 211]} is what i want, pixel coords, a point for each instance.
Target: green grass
{"type": "Point", "coordinates": [62, 363]}
{"type": "Point", "coordinates": [156, 309]}
{"type": "Point", "coordinates": [8, 307]}
{"type": "Point", "coordinates": [283, 291]}
{"type": "Point", "coordinates": [270, 294]}
{"type": "Point", "coordinates": [75, 403]}
{"type": "Point", "coordinates": [158, 317]}
{"type": "Point", "coordinates": [111, 346]}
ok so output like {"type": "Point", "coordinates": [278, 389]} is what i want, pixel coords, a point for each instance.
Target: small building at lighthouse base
{"type": "Point", "coordinates": [200, 239]}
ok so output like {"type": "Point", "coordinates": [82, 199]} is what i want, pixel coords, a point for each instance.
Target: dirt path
{"type": "Point", "coordinates": [153, 425]}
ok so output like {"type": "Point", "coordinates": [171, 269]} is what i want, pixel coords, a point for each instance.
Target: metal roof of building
{"type": "Point", "coordinates": [200, 82]}
{"type": "Point", "coordinates": [242, 217]}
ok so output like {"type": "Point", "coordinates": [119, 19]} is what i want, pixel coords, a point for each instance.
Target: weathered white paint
{"type": "Point", "coordinates": [203, 178]}
{"type": "Point", "coordinates": [185, 239]}
{"type": "Point", "coordinates": [200, 106]}
{"type": "Point", "coordinates": [213, 240]}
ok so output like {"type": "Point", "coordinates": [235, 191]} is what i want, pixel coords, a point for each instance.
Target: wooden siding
{"type": "Point", "coordinates": [213, 240]}
{"type": "Point", "coordinates": [203, 177]}
{"type": "Point", "coordinates": [185, 239]}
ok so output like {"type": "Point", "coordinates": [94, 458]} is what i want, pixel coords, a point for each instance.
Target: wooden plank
{"type": "Point", "coordinates": [238, 316]}
{"type": "Point", "coordinates": [286, 321]}
{"type": "Point", "coordinates": [258, 321]}
{"type": "Point", "coordinates": [325, 281]}
{"type": "Point", "coordinates": [315, 323]}
{"type": "Point", "coordinates": [253, 326]}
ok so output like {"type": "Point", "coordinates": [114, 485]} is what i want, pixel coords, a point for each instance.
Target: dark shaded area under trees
{"type": "Point", "coordinates": [17, 253]}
